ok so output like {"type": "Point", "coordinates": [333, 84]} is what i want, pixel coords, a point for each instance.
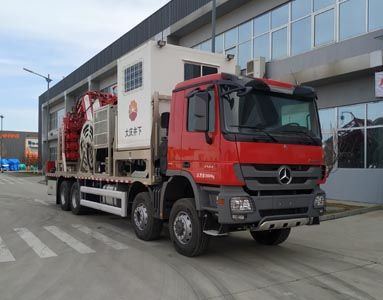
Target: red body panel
{"type": "Point", "coordinates": [214, 164]}
{"type": "Point", "coordinates": [267, 153]}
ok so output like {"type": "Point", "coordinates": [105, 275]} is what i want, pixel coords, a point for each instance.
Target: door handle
{"type": "Point", "coordinates": [186, 164]}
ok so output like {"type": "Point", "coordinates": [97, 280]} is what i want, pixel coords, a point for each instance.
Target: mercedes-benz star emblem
{"type": "Point", "coordinates": [284, 175]}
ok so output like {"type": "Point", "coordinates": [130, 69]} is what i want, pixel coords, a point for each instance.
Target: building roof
{"type": "Point", "coordinates": [167, 15]}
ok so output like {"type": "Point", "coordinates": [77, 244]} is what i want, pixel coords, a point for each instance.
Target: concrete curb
{"type": "Point", "coordinates": [351, 212]}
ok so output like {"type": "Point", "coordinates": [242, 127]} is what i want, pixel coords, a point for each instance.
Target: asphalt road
{"type": "Point", "coordinates": [46, 253]}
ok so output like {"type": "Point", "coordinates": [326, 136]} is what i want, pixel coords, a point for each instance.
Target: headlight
{"type": "Point", "coordinates": [319, 201]}
{"type": "Point", "coordinates": [240, 204]}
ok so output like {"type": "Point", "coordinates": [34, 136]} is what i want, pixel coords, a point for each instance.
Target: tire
{"type": "Point", "coordinates": [74, 202]}
{"type": "Point", "coordinates": [192, 242]}
{"type": "Point", "coordinates": [64, 195]}
{"type": "Point", "coordinates": [145, 226]}
{"type": "Point", "coordinates": [271, 237]}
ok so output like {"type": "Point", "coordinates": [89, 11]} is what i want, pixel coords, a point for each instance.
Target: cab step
{"type": "Point", "coordinates": [215, 233]}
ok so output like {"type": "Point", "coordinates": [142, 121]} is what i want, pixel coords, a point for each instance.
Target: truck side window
{"type": "Point", "coordinates": [211, 113]}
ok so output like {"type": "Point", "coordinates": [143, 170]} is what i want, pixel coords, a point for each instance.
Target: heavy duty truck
{"type": "Point", "coordinates": [224, 153]}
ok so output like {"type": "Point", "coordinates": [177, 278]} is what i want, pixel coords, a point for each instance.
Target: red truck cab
{"type": "Point", "coordinates": [251, 150]}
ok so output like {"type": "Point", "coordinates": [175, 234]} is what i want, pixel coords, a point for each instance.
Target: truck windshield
{"type": "Point", "coordinates": [270, 116]}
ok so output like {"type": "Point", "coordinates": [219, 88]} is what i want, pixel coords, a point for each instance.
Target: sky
{"type": "Point", "coordinates": [55, 37]}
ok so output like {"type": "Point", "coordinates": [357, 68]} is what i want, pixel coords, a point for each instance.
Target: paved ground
{"type": "Point", "coordinates": [49, 254]}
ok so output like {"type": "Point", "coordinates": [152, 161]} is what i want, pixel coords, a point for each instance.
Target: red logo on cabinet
{"type": "Point", "coordinates": [133, 110]}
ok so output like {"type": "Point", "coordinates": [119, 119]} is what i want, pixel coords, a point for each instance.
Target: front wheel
{"type": "Point", "coordinates": [186, 230]}
{"type": "Point", "coordinates": [271, 237]}
{"type": "Point", "coordinates": [145, 226]}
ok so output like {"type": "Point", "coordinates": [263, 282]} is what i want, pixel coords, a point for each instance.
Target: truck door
{"type": "Point", "coordinates": [200, 150]}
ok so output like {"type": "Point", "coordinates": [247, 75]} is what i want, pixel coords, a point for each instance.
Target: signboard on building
{"type": "Point", "coordinates": [379, 84]}
{"type": "Point", "coordinates": [31, 151]}
{"type": "Point", "coordinates": [15, 136]}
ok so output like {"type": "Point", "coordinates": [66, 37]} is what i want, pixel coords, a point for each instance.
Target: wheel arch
{"type": "Point", "coordinates": [180, 185]}
{"type": "Point", "coordinates": [134, 189]}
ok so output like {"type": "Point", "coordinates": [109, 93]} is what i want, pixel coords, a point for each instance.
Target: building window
{"type": "Point", "coordinates": [280, 16]}
{"type": "Point", "coordinates": [196, 70]}
{"type": "Point", "coordinates": [206, 70]}
{"type": "Point", "coordinates": [351, 116]}
{"type": "Point", "coordinates": [191, 71]}
{"type": "Point", "coordinates": [231, 38]}
{"type": "Point", "coordinates": [53, 121]}
{"type": "Point", "coordinates": [53, 153]}
{"type": "Point", "coordinates": [301, 36]}
{"type": "Point", "coordinates": [192, 118]}
{"type": "Point", "coordinates": [60, 117]}
{"type": "Point", "coordinates": [279, 44]}
{"type": "Point", "coordinates": [324, 28]}
{"type": "Point", "coordinates": [56, 119]}
{"type": "Point", "coordinates": [375, 8]}
{"type": "Point", "coordinates": [308, 24]}
{"type": "Point", "coordinates": [245, 32]}
{"type": "Point", "coordinates": [351, 148]}
{"type": "Point", "coordinates": [352, 18]}
{"type": "Point", "coordinates": [244, 54]}
{"type": "Point", "coordinates": [350, 140]}
{"type": "Point", "coordinates": [112, 89]}
{"type": "Point", "coordinates": [355, 136]}
{"type": "Point", "coordinates": [375, 114]}
{"type": "Point", "coordinates": [219, 43]}
{"type": "Point", "coordinates": [327, 120]}
{"type": "Point", "coordinates": [133, 77]}
{"type": "Point", "coordinates": [300, 8]}
{"type": "Point", "coordinates": [319, 4]}
{"type": "Point", "coordinates": [375, 147]}
{"type": "Point", "coordinates": [261, 24]}
{"type": "Point", "coordinates": [262, 46]}
{"type": "Point", "coordinates": [206, 46]}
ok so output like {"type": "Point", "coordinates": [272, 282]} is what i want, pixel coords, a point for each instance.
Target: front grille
{"type": "Point", "coordinates": [274, 180]}
{"type": "Point", "coordinates": [283, 211]}
{"type": "Point", "coordinates": [276, 167]}
{"type": "Point", "coordinates": [284, 192]}
{"type": "Point", "coordinates": [260, 177]}
{"type": "Point", "coordinates": [278, 192]}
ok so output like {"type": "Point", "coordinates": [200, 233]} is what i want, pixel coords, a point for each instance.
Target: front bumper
{"type": "Point", "coordinates": [270, 209]}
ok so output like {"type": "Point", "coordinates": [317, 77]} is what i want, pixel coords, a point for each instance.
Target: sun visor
{"type": "Point", "coordinates": [305, 92]}
{"type": "Point", "coordinates": [258, 85]}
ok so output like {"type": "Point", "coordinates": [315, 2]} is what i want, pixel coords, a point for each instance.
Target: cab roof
{"type": "Point", "coordinates": [272, 85]}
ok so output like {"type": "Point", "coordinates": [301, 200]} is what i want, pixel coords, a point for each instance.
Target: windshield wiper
{"type": "Point", "coordinates": [257, 129]}
{"type": "Point", "coordinates": [306, 134]}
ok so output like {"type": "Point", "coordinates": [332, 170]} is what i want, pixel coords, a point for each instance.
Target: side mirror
{"type": "Point", "coordinates": [165, 120]}
{"type": "Point", "coordinates": [199, 110]}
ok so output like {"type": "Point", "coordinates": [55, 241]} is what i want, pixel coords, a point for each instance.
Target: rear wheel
{"type": "Point", "coordinates": [64, 195]}
{"type": "Point", "coordinates": [271, 237]}
{"type": "Point", "coordinates": [145, 226]}
{"type": "Point", "coordinates": [186, 230]}
{"type": "Point", "coordinates": [75, 206]}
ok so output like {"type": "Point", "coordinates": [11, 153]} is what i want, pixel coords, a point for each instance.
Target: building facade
{"type": "Point", "coordinates": [334, 46]}
{"type": "Point", "coordinates": [19, 145]}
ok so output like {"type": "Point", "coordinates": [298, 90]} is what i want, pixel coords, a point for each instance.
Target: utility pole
{"type": "Point", "coordinates": [48, 80]}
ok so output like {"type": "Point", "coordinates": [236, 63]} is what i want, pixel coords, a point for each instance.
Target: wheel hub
{"type": "Point", "coordinates": [141, 216]}
{"type": "Point", "coordinates": [182, 227]}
